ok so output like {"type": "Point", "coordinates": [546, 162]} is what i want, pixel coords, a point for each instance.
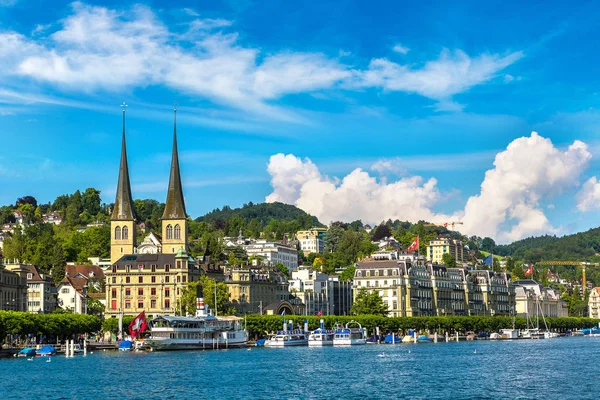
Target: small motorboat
{"type": "Point", "coordinates": [26, 352]}
{"type": "Point", "coordinates": [424, 339]}
{"type": "Point", "coordinates": [350, 336]}
{"type": "Point", "coordinates": [392, 338]}
{"type": "Point", "coordinates": [46, 351]}
{"type": "Point", "coordinates": [126, 345]}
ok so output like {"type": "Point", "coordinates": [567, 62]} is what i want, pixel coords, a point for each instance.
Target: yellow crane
{"type": "Point", "coordinates": [445, 224]}
{"type": "Point", "coordinates": [583, 265]}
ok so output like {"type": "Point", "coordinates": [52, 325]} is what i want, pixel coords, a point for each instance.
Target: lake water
{"type": "Point", "coordinates": [562, 368]}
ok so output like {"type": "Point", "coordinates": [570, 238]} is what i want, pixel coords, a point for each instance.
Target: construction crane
{"type": "Point", "coordinates": [445, 224]}
{"type": "Point", "coordinates": [583, 265]}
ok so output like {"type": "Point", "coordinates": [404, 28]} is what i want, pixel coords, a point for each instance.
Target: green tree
{"type": "Point", "coordinates": [28, 211]}
{"type": "Point", "coordinates": [90, 200]}
{"type": "Point", "coordinates": [283, 269]}
{"type": "Point", "coordinates": [188, 296]}
{"type": "Point", "coordinates": [448, 260]}
{"type": "Point", "coordinates": [368, 303]}
{"type": "Point", "coordinates": [332, 238]}
{"type": "Point", "coordinates": [348, 274]}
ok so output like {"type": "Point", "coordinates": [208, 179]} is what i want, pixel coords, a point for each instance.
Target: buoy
{"type": "Point", "coordinates": [91, 352]}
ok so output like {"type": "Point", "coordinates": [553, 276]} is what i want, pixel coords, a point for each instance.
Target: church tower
{"type": "Point", "coordinates": [174, 219]}
{"type": "Point", "coordinates": [122, 221]}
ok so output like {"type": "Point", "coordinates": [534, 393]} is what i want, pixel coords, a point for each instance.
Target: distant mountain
{"type": "Point", "coordinates": [264, 213]}
{"type": "Point", "coordinates": [577, 247]}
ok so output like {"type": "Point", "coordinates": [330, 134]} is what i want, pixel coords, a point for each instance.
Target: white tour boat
{"type": "Point", "coordinates": [350, 336]}
{"type": "Point", "coordinates": [198, 332]}
{"type": "Point", "coordinates": [320, 337]}
{"type": "Point", "coordinates": [287, 338]}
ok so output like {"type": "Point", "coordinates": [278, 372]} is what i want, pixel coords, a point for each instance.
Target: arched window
{"type": "Point", "coordinates": [169, 232]}
{"type": "Point", "coordinates": [125, 234]}
{"type": "Point", "coordinates": [118, 233]}
{"type": "Point", "coordinates": [177, 232]}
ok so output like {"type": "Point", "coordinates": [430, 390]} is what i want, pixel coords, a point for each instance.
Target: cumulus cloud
{"type": "Point", "coordinates": [357, 195]}
{"type": "Point", "coordinates": [531, 168]}
{"type": "Point", "coordinates": [99, 48]}
{"type": "Point", "coordinates": [588, 198]}
{"type": "Point", "coordinates": [507, 207]}
{"type": "Point", "coordinates": [393, 165]}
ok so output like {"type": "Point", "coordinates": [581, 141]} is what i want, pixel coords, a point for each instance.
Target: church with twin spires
{"type": "Point", "coordinates": [153, 281]}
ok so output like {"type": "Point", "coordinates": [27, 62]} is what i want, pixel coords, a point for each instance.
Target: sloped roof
{"type": "Point", "coordinates": [175, 205]}
{"type": "Point", "coordinates": [32, 269]}
{"type": "Point", "coordinates": [77, 283]}
{"type": "Point", "coordinates": [89, 271]}
{"type": "Point", "coordinates": [123, 208]}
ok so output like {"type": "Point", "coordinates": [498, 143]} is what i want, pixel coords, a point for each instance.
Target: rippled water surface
{"type": "Point", "coordinates": [563, 368]}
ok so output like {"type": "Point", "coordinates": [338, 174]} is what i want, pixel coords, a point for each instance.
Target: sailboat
{"type": "Point", "coordinates": [534, 332]}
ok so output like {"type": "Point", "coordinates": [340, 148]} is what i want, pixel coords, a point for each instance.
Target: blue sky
{"type": "Point", "coordinates": [407, 93]}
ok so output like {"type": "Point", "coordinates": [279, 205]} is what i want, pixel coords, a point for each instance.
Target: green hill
{"type": "Point", "coordinates": [263, 212]}
{"type": "Point", "coordinates": [252, 219]}
{"type": "Point", "coordinates": [582, 246]}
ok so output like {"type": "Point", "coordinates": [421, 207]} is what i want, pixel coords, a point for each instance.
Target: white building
{"type": "Point", "coordinates": [532, 299]}
{"type": "Point", "coordinates": [274, 253]}
{"type": "Point", "coordinates": [52, 218]}
{"type": "Point", "coordinates": [72, 290]}
{"type": "Point", "coordinates": [321, 293]}
{"type": "Point", "coordinates": [150, 245]}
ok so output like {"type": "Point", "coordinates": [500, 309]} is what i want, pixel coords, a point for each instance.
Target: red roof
{"type": "Point", "coordinates": [89, 271]}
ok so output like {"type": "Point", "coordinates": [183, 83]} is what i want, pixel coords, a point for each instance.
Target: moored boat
{"type": "Point", "coordinates": [26, 352]}
{"type": "Point", "coordinates": [350, 336]}
{"type": "Point", "coordinates": [126, 345]}
{"type": "Point", "coordinates": [320, 337]}
{"type": "Point", "coordinates": [202, 331]}
{"type": "Point", "coordinates": [46, 351]}
{"type": "Point", "coordinates": [295, 337]}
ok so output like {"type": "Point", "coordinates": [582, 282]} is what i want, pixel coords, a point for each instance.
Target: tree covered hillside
{"type": "Point", "coordinates": [583, 246]}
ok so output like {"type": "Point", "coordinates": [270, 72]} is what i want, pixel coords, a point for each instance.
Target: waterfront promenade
{"type": "Point", "coordinates": [526, 369]}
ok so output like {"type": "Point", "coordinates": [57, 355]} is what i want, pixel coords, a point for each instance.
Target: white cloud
{"type": "Point", "coordinates": [101, 49]}
{"type": "Point", "coordinates": [588, 198]}
{"type": "Point", "coordinates": [452, 73]}
{"type": "Point", "coordinates": [393, 165]}
{"type": "Point", "coordinates": [530, 169]}
{"type": "Point", "coordinates": [398, 48]}
{"type": "Point", "coordinates": [507, 207]}
{"type": "Point", "coordinates": [190, 12]}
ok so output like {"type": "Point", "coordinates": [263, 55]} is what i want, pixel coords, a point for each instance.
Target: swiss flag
{"type": "Point", "coordinates": [138, 325]}
{"type": "Point", "coordinates": [529, 270]}
{"type": "Point", "coordinates": [414, 246]}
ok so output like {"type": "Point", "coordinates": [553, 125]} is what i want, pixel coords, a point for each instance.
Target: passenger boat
{"type": "Point", "coordinates": [198, 332]}
{"type": "Point", "coordinates": [350, 336]}
{"type": "Point", "coordinates": [320, 337]}
{"type": "Point", "coordinates": [295, 337]}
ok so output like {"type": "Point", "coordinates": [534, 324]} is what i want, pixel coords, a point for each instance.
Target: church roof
{"type": "Point", "coordinates": [123, 209]}
{"type": "Point", "coordinates": [175, 205]}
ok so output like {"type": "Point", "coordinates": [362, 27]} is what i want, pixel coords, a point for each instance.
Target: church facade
{"type": "Point", "coordinates": [141, 279]}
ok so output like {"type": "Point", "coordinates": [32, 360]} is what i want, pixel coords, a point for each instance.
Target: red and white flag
{"type": "Point", "coordinates": [320, 313]}
{"type": "Point", "coordinates": [414, 246]}
{"type": "Point", "coordinates": [529, 270]}
{"type": "Point", "coordinates": [138, 325]}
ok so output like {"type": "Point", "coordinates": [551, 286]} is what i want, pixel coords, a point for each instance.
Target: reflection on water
{"type": "Point", "coordinates": [528, 369]}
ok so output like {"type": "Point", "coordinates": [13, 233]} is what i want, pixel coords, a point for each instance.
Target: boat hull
{"type": "Point", "coordinates": [320, 343]}
{"type": "Point", "coordinates": [286, 343]}
{"type": "Point", "coordinates": [193, 344]}
{"type": "Point", "coordinates": [349, 342]}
